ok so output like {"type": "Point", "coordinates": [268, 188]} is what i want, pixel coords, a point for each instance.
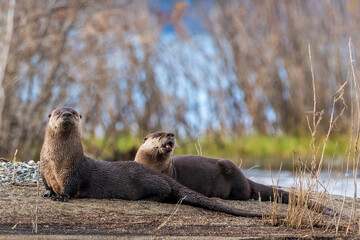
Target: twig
{"type": "Point", "coordinates": [333, 121]}
{"type": "Point", "coordinates": [198, 147]}
{"type": "Point", "coordinates": [253, 167]}
{"type": "Point", "coordinates": [174, 212]}
{"type": "Point", "coordinates": [314, 123]}
{"type": "Point", "coordinates": [14, 166]}
{"type": "Point", "coordinates": [313, 85]}
{"type": "Point", "coordinates": [261, 210]}
{"type": "Point", "coordinates": [356, 157]}
{"type": "Point", "coordinates": [37, 199]}
{"type": "Point", "coordinates": [348, 157]}
{"type": "Point", "coordinates": [240, 163]}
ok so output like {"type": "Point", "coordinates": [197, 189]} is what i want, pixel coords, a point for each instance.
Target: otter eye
{"type": "Point", "coordinates": [49, 115]}
{"type": "Point", "coordinates": [157, 135]}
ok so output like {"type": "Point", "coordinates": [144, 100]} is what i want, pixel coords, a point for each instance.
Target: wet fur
{"type": "Point", "coordinates": [210, 176]}
{"type": "Point", "coordinates": [68, 173]}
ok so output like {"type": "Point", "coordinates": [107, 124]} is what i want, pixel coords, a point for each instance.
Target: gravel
{"type": "Point", "coordinates": [25, 172]}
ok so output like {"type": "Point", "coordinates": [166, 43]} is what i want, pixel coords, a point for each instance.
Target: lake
{"type": "Point", "coordinates": [336, 183]}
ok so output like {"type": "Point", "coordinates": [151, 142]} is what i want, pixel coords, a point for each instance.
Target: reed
{"type": "Point", "coordinates": [298, 214]}
{"type": "Point", "coordinates": [176, 208]}
{"type": "Point", "coordinates": [14, 167]}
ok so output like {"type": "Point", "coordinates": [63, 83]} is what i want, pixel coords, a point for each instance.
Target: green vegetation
{"type": "Point", "coordinates": [263, 151]}
{"type": "Point", "coordinates": [249, 151]}
{"type": "Point", "coordinates": [121, 149]}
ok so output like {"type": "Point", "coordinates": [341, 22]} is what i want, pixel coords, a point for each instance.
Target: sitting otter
{"type": "Point", "coordinates": [68, 173]}
{"type": "Point", "coordinates": [208, 176]}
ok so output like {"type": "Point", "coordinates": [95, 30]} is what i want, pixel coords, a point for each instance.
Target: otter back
{"type": "Point", "coordinates": [68, 173]}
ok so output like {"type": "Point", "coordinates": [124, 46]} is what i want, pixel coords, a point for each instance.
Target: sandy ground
{"type": "Point", "coordinates": [110, 219]}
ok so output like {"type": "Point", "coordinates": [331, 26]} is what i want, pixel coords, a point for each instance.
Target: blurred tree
{"type": "Point", "coordinates": [132, 67]}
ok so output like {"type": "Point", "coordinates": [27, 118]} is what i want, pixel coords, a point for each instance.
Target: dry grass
{"type": "Point", "coordinates": [302, 211]}
{"type": "Point", "coordinates": [36, 218]}
{"type": "Point", "coordinates": [14, 166]}
{"type": "Point", "coordinates": [198, 147]}
{"type": "Point", "coordinates": [177, 206]}
{"type": "Point", "coordinates": [299, 213]}
{"type": "Point", "coordinates": [135, 218]}
{"type": "Point", "coordinates": [355, 120]}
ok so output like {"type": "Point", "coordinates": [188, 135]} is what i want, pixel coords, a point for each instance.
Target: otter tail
{"type": "Point", "coordinates": [270, 193]}
{"type": "Point", "coordinates": [266, 193]}
{"type": "Point", "coordinates": [195, 199]}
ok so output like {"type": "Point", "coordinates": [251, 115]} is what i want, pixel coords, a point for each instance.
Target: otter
{"type": "Point", "coordinates": [209, 176]}
{"type": "Point", "coordinates": [67, 173]}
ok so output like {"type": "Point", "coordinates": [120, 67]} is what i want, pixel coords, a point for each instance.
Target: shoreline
{"type": "Point", "coordinates": [109, 218]}
{"type": "Point", "coordinates": [140, 219]}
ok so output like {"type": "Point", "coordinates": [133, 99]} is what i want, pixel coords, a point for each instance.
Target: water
{"type": "Point", "coordinates": [335, 183]}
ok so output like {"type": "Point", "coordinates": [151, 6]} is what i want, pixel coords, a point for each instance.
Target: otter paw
{"type": "Point", "coordinates": [48, 194]}
{"type": "Point", "coordinates": [61, 198]}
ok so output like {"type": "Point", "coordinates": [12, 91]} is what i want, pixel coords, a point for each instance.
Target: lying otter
{"type": "Point", "coordinates": [68, 173]}
{"type": "Point", "coordinates": [208, 176]}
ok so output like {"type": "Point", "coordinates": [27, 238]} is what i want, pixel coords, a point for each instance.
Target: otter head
{"type": "Point", "coordinates": [159, 144]}
{"type": "Point", "coordinates": [64, 120]}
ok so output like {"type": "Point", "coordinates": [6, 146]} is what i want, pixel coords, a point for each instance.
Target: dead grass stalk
{"type": "Point", "coordinates": [177, 206]}
{"type": "Point", "coordinates": [14, 166]}
{"type": "Point", "coordinates": [198, 147]}
{"type": "Point", "coordinates": [355, 117]}
{"type": "Point", "coordinates": [35, 224]}
{"type": "Point", "coordinates": [303, 207]}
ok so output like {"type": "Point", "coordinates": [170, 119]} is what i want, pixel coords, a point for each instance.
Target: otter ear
{"type": "Point", "coordinates": [49, 115]}
{"type": "Point", "coordinates": [80, 116]}
{"type": "Point", "coordinates": [144, 140]}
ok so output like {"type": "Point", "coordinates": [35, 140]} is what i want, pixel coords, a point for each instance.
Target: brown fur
{"type": "Point", "coordinates": [68, 173]}
{"type": "Point", "coordinates": [209, 176]}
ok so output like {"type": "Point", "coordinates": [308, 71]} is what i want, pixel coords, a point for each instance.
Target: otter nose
{"type": "Point", "coordinates": [66, 114]}
{"type": "Point", "coordinates": [171, 135]}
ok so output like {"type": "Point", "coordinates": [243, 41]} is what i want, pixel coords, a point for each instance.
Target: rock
{"type": "Point", "coordinates": [31, 162]}
{"type": "Point", "coordinates": [25, 172]}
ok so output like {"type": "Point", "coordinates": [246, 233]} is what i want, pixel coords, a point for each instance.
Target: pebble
{"type": "Point", "coordinates": [25, 172]}
{"type": "Point", "coordinates": [31, 163]}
